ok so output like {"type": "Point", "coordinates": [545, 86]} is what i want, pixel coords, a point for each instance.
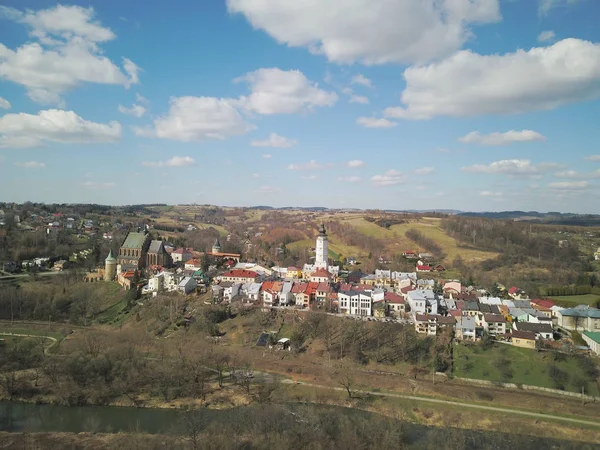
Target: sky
{"type": "Point", "coordinates": [476, 105]}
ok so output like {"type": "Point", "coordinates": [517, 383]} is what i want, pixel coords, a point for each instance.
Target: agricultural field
{"type": "Point", "coordinates": [505, 363]}
{"type": "Point", "coordinates": [569, 301]}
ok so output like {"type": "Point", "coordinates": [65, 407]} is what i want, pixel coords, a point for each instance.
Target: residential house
{"type": "Point", "coordinates": [422, 301]}
{"type": "Point", "coordinates": [285, 295]}
{"type": "Point", "coordinates": [369, 279]}
{"type": "Point", "coordinates": [516, 293]}
{"type": "Point", "coordinates": [320, 275]}
{"type": "Point", "coordinates": [355, 303]}
{"type": "Point", "coordinates": [383, 277]}
{"type": "Point", "coordinates": [240, 276]}
{"type": "Point", "coordinates": [592, 339]}
{"type": "Point", "coordinates": [425, 256]}
{"type": "Point", "coordinates": [423, 268]}
{"type": "Point", "coordinates": [301, 297]}
{"type": "Point", "coordinates": [270, 297]}
{"type": "Point", "coordinates": [294, 273]}
{"type": "Point", "coordinates": [193, 264]}
{"type": "Point", "coordinates": [471, 309]}
{"type": "Point", "coordinates": [409, 254]}
{"type": "Point", "coordinates": [60, 265]}
{"type": "Point", "coordinates": [452, 288]}
{"type": "Point", "coordinates": [425, 284]}
{"type": "Point", "coordinates": [355, 276]}
{"type": "Point", "coordinates": [351, 260]}
{"type": "Point", "coordinates": [430, 323]}
{"type": "Point", "coordinates": [251, 291]}
{"type": "Point", "coordinates": [465, 328]}
{"type": "Point", "coordinates": [525, 339]}
{"type": "Point", "coordinates": [323, 289]}
{"type": "Point", "coordinates": [542, 331]}
{"type": "Point", "coordinates": [494, 324]}
{"type": "Point", "coordinates": [181, 254]}
{"type": "Point", "coordinates": [231, 289]}
{"type": "Point", "coordinates": [439, 268]}
{"type": "Point", "coordinates": [187, 285]}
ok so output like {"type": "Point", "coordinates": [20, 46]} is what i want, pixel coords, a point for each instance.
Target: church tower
{"type": "Point", "coordinates": [216, 248]}
{"type": "Point", "coordinates": [321, 249]}
{"type": "Point", "coordinates": [110, 267]}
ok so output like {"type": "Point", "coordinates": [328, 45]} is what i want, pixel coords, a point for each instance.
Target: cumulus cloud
{"type": "Point", "coordinates": [373, 122]}
{"type": "Point", "coordinates": [136, 110]}
{"type": "Point", "coordinates": [546, 36]}
{"type": "Point", "coordinates": [31, 164]}
{"type": "Point", "coordinates": [358, 99]}
{"type": "Point", "coordinates": [389, 178]}
{"type": "Point", "coordinates": [545, 6]}
{"type": "Point", "coordinates": [175, 161]}
{"type": "Point", "coordinates": [276, 91]}
{"type": "Point", "coordinates": [510, 167]}
{"type": "Point", "coordinates": [54, 125]}
{"type": "Point", "coordinates": [592, 158]}
{"type": "Point", "coordinates": [490, 194]}
{"type": "Point", "coordinates": [404, 31]}
{"type": "Point", "coordinates": [351, 179]}
{"type": "Point", "coordinates": [508, 137]}
{"type": "Point", "coordinates": [424, 171]}
{"type": "Point", "coordinates": [267, 155]}
{"type": "Point", "coordinates": [470, 84]}
{"type": "Point", "coordinates": [355, 163]}
{"type": "Point", "coordinates": [275, 141]}
{"type": "Point", "coordinates": [362, 80]}
{"type": "Point", "coordinates": [311, 165]}
{"type": "Point", "coordinates": [568, 185]}
{"type": "Point", "coordinates": [196, 119]}
{"type": "Point", "coordinates": [577, 175]}
{"type": "Point", "coordinates": [65, 53]}
{"type": "Point", "coordinates": [4, 104]}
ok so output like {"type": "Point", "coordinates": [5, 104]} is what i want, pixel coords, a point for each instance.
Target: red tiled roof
{"type": "Point", "coordinates": [346, 287]}
{"type": "Point", "coordinates": [299, 288]}
{"type": "Point", "coordinates": [323, 287]}
{"type": "Point", "coordinates": [513, 290]}
{"type": "Point", "coordinates": [363, 287]}
{"type": "Point", "coordinates": [240, 273]}
{"type": "Point", "coordinates": [407, 289]}
{"type": "Point", "coordinates": [292, 269]}
{"type": "Point", "coordinates": [455, 312]}
{"type": "Point", "coordinates": [393, 298]}
{"type": "Point", "coordinates": [267, 286]}
{"type": "Point", "coordinates": [195, 262]}
{"type": "Point", "coordinates": [312, 287]}
{"type": "Point", "coordinates": [321, 273]}
{"type": "Point", "coordinates": [544, 303]}
{"type": "Point", "coordinates": [409, 252]}
{"type": "Point", "coordinates": [423, 267]}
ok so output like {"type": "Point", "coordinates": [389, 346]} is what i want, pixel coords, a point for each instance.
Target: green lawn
{"type": "Point", "coordinates": [574, 300]}
{"type": "Point", "coordinates": [6, 332]}
{"type": "Point", "coordinates": [527, 366]}
{"type": "Point", "coordinates": [113, 314]}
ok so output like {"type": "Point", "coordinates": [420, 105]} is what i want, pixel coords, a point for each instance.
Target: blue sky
{"type": "Point", "coordinates": [413, 104]}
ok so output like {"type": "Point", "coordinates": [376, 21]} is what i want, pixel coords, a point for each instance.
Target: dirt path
{"type": "Point", "coordinates": [46, 349]}
{"type": "Point", "coordinates": [460, 404]}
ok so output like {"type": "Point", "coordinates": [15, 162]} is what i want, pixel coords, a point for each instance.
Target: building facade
{"type": "Point", "coordinates": [322, 250]}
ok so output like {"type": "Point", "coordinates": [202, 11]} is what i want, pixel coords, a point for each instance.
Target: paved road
{"type": "Point", "coordinates": [46, 349]}
{"type": "Point", "coordinates": [460, 404]}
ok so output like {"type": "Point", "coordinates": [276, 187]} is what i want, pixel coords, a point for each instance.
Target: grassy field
{"type": "Point", "coordinates": [574, 300]}
{"type": "Point", "coordinates": [113, 314]}
{"type": "Point", "coordinates": [528, 366]}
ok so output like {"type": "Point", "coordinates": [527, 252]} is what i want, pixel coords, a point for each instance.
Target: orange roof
{"type": "Point", "coordinates": [240, 273]}
{"type": "Point", "coordinates": [323, 287]}
{"type": "Point", "coordinates": [194, 262]}
{"type": "Point", "coordinates": [312, 287]}
{"type": "Point", "coordinates": [321, 273]}
{"type": "Point", "coordinates": [299, 288]}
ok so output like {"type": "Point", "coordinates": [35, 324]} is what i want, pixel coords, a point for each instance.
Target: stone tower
{"type": "Point", "coordinates": [216, 248]}
{"type": "Point", "coordinates": [110, 267]}
{"type": "Point", "coordinates": [321, 253]}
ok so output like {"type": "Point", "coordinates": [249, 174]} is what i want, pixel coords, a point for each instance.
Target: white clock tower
{"type": "Point", "coordinates": [321, 249]}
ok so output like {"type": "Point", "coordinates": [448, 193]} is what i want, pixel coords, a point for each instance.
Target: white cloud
{"type": "Point", "coordinates": [352, 179]}
{"type": "Point", "coordinates": [66, 55]}
{"type": "Point", "coordinates": [135, 110]}
{"type": "Point", "coordinates": [362, 80]}
{"type": "Point", "coordinates": [268, 189]}
{"type": "Point", "coordinates": [311, 165]}
{"type": "Point", "coordinates": [255, 175]}
{"type": "Point", "coordinates": [355, 163]}
{"type": "Point", "coordinates": [508, 137]}
{"type": "Point", "coordinates": [490, 194]}
{"type": "Point", "coordinates": [197, 118]}
{"type": "Point", "coordinates": [373, 122]}
{"type": "Point", "coordinates": [546, 36]}
{"type": "Point", "coordinates": [308, 177]}
{"type": "Point", "coordinates": [568, 174]}
{"type": "Point", "coordinates": [98, 185]}
{"type": "Point", "coordinates": [4, 104]}
{"type": "Point", "coordinates": [424, 171]}
{"type": "Point", "coordinates": [275, 141]}
{"type": "Point", "coordinates": [267, 155]}
{"type": "Point", "coordinates": [358, 99]}
{"type": "Point", "coordinates": [592, 158]}
{"type": "Point", "coordinates": [53, 125]}
{"type": "Point", "coordinates": [545, 6]}
{"type": "Point", "coordinates": [31, 164]}
{"type": "Point", "coordinates": [175, 161]}
{"type": "Point", "coordinates": [276, 91]}
{"type": "Point", "coordinates": [389, 178]}
{"type": "Point", "coordinates": [141, 99]}
{"type": "Point", "coordinates": [513, 167]}
{"type": "Point", "coordinates": [470, 84]}
{"type": "Point", "coordinates": [391, 31]}
{"type": "Point", "coordinates": [569, 185]}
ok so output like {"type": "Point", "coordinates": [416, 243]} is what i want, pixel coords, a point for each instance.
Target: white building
{"type": "Point", "coordinates": [187, 285]}
{"type": "Point", "coordinates": [321, 249]}
{"type": "Point", "coordinates": [422, 301]}
{"type": "Point", "coordinates": [355, 303]}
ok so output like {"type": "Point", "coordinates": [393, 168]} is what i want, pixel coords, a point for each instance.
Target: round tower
{"type": "Point", "coordinates": [216, 248]}
{"type": "Point", "coordinates": [110, 267]}
{"type": "Point", "coordinates": [321, 251]}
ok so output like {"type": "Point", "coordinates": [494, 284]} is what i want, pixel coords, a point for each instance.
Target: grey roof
{"type": "Point", "coordinates": [156, 247]}
{"type": "Point", "coordinates": [581, 311]}
{"type": "Point", "coordinates": [217, 243]}
{"type": "Point", "coordinates": [516, 312]}
{"type": "Point", "coordinates": [472, 306]}
{"type": "Point", "coordinates": [534, 327]}
{"type": "Point", "coordinates": [134, 240]}
{"type": "Point", "coordinates": [522, 303]}
{"type": "Point", "coordinates": [322, 231]}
